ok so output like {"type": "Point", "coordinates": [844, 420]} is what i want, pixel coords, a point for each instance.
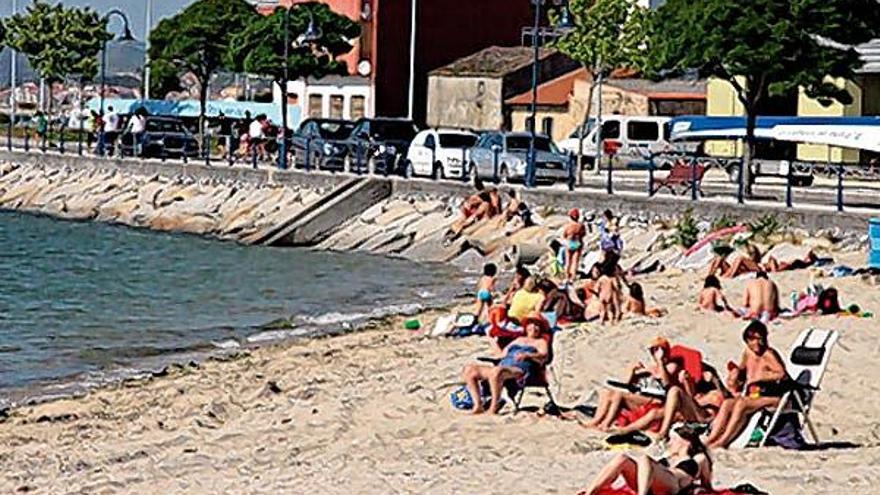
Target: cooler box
{"type": "Point", "coordinates": [874, 237]}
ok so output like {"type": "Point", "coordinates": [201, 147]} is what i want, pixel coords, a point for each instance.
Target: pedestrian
{"type": "Point", "coordinates": [224, 131]}
{"type": "Point", "coordinates": [41, 129]}
{"type": "Point", "coordinates": [111, 129]}
{"type": "Point", "coordinates": [137, 127]}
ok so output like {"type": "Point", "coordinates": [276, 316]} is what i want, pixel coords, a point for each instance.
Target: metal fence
{"type": "Point", "coordinates": [679, 174]}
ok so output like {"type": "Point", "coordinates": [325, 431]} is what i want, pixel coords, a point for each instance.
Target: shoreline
{"type": "Point", "coordinates": [369, 412]}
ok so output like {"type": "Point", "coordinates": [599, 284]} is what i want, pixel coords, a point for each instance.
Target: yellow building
{"type": "Point", "coordinates": [864, 89]}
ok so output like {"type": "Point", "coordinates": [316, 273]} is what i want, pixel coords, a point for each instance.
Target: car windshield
{"type": "Point", "coordinates": [591, 123]}
{"type": "Point", "coordinates": [457, 140]}
{"type": "Point", "coordinates": [398, 131]}
{"type": "Point", "coordinates": [164, 126]}
{"type": "Point", "coordinates": [335, 130]}
{"type": "Point", "coordinates": [542, 143]}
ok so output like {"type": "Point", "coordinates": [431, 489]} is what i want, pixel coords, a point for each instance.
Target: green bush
{"type": "Point", "coordinates": [686, 230]}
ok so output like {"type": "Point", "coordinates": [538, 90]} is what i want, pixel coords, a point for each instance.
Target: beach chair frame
{"type": "Point", "coordinates": [799, 400]}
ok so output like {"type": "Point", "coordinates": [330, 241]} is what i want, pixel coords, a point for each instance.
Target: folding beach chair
{"type": "Point", "coordinates": [806, 364]}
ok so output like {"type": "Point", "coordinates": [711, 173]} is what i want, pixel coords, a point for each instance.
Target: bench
{"type": "Point", "coordinates": [681, 175]}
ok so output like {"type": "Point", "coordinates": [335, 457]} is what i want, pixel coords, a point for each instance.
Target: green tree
{"type": "Point", "coordinates": [58, 41]}
{"type": "Point", "coordinates": [259, 49]}
{"type": "Point", "coordinates": [196, 41]}
{"type": "Point", "coordinates": [608, 35]}
{"type": "Point", "coordinates": [765, 48]}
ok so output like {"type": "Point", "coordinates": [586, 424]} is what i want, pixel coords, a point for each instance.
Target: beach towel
{"type": "Point", "coordinates": [620, 488]}
{"type": "Point", "coordinates": [715, 235]}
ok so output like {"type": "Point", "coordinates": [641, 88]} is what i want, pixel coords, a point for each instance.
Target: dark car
{"type": "Point", "coordinates": [378, 145]}
{"type": "Point", "coordinates": [164, 137]}
{"type": "Point", "coordinates": [317, 143]}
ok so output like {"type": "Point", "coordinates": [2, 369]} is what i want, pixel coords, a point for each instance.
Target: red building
{"type": "Point", "coordinates": [446, 30]}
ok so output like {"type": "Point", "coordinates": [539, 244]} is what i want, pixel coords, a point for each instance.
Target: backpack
{"type": "Point", "coordinates": [828, 303]}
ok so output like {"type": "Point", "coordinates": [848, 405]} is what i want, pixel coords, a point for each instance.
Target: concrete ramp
{"type": "Point", "coordinates": [317, 222]}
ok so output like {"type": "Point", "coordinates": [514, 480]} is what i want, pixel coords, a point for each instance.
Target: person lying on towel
{"type": "Point", "coordinates": [763, 372]}
{"type": "Point", "coordinates": [521, 357]}
{"type": "Point", "coordinates": [686, 465]}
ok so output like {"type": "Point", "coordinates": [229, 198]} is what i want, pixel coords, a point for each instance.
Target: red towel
{"type": "Point", "coordinates": [628, 491]}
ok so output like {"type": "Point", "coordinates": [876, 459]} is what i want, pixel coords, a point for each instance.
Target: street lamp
{"type": "Point", "coordinates": [124, 37]}
{"type": "Point", "coordinates": [564, 25]}
{"type": "Point", "coordinates": [311, 35]}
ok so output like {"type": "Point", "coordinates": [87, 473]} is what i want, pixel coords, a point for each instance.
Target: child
{"type": "Point", "coordinates": [711, 298]}
{"type": "Point", "coordinates": [485, 288]}
{"type": "Point", "coordinates": [635, 304]}
{"type": "Point", "coordinates": [608, 287]}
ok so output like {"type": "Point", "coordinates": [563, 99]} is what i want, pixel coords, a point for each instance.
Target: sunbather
{"type": "Point", "coordinates": [635, 303]}
{"type": "Point", "coordinates": [711, 297]}
{"type": "Point", "coordinates": [573, 237]}
{"type": "Point", "coordinates": [760, 299]}
{"type": "Point", "coordinates": [686, 465]}
{"type": "Point", "coordinates": [664, 374]}
{"type": "Point", "coordinates": [526, 300]}
{"type": "Point", "coordinates": [763, 372]}
{"type": "Point", "coordinates": [521, 357]}
{"type": "Point", "coordinates": [699, 405]}
{"type": "Point", "coordinates": [747, 263]}
{"type": "Point", "coordinates": [557, 301]}
{"type": "Point", "coordinates": [519, 279]}
{"type": "Point", "coordinates": [476, 207]}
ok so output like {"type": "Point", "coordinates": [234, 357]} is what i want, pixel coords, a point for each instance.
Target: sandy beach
{"type": "Point", "coordinates": [369, 412]}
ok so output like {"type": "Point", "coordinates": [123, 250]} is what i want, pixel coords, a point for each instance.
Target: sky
{"type": "Point", "coordinates": [135, 10]}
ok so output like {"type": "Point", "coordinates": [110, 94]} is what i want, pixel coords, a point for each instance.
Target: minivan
{"type": "Point", "coordinates": [628, 138]}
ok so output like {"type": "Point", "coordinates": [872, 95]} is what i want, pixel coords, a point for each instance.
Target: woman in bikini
{"type": "Point", "coordinates": [711, 298]}
{"type": "Point", "coordinates": [685, 465]}
{"type": "Point", "coordinates": [763, 373]}
{"type": "Point", "coordinates": [520, 358]}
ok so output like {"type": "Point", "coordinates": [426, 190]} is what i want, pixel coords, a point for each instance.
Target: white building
{"type": "Point", "coordinates": [332, 97]}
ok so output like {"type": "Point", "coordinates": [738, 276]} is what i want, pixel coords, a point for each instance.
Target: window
{"type": "Point", "coordinates": [611, 129]}
{"type": "Point", "coordinates": [457, 140]}
{"type": "Point", "coordinates": [547, 126]}
{"type": "Point", "coordinates": [642, 131]}
{"type": "Point", "coordinates": [525, 142]}
{"type": "Point", "coordinates": [337, 102]}
{"type": "Point", "coordinates": [292, 99]}
{"type": "Point", "coordinates": [429, 142]}
{"type": "Point", "coordinates": [316, 104]}
{"type": "Point", "coordinates": [334, 130]}
{"type": "Point", "coordinates": [529, 124]}
{"type": "Point", "coordinates": [357, 107]}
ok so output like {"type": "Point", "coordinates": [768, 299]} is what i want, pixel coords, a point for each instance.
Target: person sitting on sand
{"type": "Point", "coordinates": [760, 299]}
{"type": "Point", "coordinates": [711, 297]}
{"type": "Point", "coordinates": [609, 298]}
{"type": "Point", "coordinates": [699, 405]}
{"type": "Point", "coordinates": [747, 263]}
{"type": "Point", "coordinates": [521, 357]}
{"type": "Point", "coordinates": [664, 374]}
{"type": "Point", "coordinates": [557, 301]}
{"type": "Point", "coordinates": [763, 372]}
{"type": "Point", "coordinates": [519, 279]}
{"type": "Point", "coordinates": [685, 466]}
{"type": "Point", "coordinates": [635, 303]}
{"type": "Point", "coordinates": [585, 295]}
{"type": "Point", "coordinates": [526, 300]}
{"type": "Point", "coordinates": [516, 214]}
{"type": "Point", "coordinates": [485, 290]}
{"type": "Point", "coordinates": [573, 239]}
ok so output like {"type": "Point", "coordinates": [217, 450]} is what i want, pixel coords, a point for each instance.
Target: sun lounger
{"type": "Point", "coordinates": [806, 364]}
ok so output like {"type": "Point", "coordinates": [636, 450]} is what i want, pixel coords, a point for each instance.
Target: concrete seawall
{"type": "Point", "coordinates": [391, 216]}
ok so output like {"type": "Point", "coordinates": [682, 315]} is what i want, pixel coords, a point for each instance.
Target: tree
{"type": "Point", "coordinates": [196, 40]}
{"type": "Point", "coordinates": [58, 41]}
{"type": "Point", "coordinates": [259, 49]}
{"type": "Point", "coordinates": [765, 48]}
{"type": "Point", "coordinates": [608, 35]}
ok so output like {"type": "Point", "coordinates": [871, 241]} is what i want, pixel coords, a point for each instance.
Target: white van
{"type": "Point", "coordinates": [628, 138]}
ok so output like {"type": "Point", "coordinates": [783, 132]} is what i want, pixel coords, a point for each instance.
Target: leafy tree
{"type": "Point", "coordinates": [58, 41]}
{"type": "Point", "coordinates": [765, 48]}
{"type": "Point", "coordinates": [259, 49]}
{"type": "Point", "coordinates": [2, 33]}
{"type": "Point", "coordinates": [608, 35]}
{"type": "Point", "coordinates": [196, 40]}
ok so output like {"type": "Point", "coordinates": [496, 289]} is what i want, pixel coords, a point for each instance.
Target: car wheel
{"type": "Point", "coordinates": [504, 175]}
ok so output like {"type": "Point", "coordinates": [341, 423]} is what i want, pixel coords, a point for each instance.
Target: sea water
{"type": "Point", "coordinates": [83, 303]}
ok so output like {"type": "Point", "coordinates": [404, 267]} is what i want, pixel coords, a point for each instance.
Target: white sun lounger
{"type": "Point", "coordinates": [806, 364]}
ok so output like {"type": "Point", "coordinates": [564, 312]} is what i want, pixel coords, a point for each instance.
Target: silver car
{"type": "Point", "coordinates": [509, 151]}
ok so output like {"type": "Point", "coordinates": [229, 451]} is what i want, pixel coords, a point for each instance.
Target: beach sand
{"type": "Point", "coordinates": [369, 412]}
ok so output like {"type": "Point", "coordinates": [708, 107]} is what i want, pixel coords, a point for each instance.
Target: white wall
{"type": "Point", "coordinates": [326, 91]}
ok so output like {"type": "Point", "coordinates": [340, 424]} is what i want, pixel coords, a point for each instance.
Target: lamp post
{"type": "Point", "coordinates": [565, 24]}
{"type": "Point", "coordinates": [149, 26]}
{"type": "Point", "coordinates": [126, 36]}
{"type": "Point", "coordinates": [311, 35]}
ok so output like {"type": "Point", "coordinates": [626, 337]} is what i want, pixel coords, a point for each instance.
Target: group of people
{"type": "Point", "coordinates": [487, 203]}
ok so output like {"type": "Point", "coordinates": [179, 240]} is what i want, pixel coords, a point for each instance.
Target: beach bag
{"type": "Point", "coordinates": [828, 303]}
{"type": "Point", "coordinates": [787, 434]}
{"type": "Point", "coordinates": [461, 397]}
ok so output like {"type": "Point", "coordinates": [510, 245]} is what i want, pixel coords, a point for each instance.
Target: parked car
{"type": "Point", "coordinates": [439, 153]}
{"type": "Point", "coordinates": [626, 138]}
{"type": "Point", "coordinates": [380, 145]}
{"type": "Point", "coordinates": [164, 136]}
{"type": "Point", "coordinates": [319, 140]}
{"type": "Point", "coordinates": [512, 149]}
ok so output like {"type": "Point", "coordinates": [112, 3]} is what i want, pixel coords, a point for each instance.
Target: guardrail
{"type": "Point", "coordinates": [684, 172]}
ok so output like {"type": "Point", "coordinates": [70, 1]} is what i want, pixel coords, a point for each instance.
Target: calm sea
{"type": "Point", "coordinates": [84, 303]}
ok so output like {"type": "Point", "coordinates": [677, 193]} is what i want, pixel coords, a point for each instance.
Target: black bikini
{"type": "Point", "coordinates": [688, 466]}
